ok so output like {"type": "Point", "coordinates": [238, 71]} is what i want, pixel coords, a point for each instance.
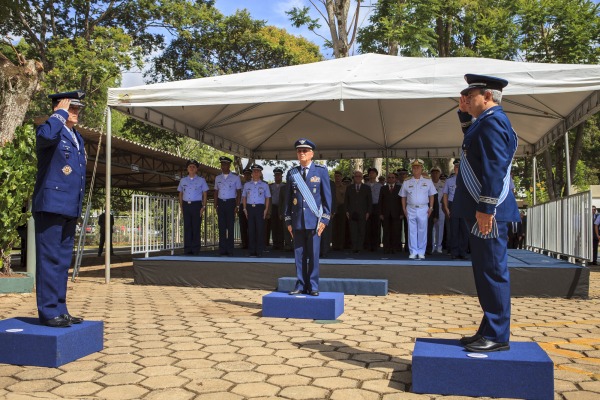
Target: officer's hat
{"type": "Point", "coordinates": [417, 162]}
{"type": "Point", "coordinates": [304, 143]}
{"type": "Point", "coordinates": [225, 159]}
{"type": "Point", "coordinates": [190, 162]}
{"type": "Point", "coordinates": [247, 170]}
{"type": "Point", "coordinates": [75, 98]}
{"type": "Point", "coordinates": [443, 177]}
{"type": "Point", "coordinates": [435, 169]}
{"type": "Point", "coordinates": [277, 170]}
{"type": "Point", "coordinates": [402, 170]}
{"type": "Point", "coordinates": [457, 161]}
{"type": "Point", "coordinates": [483, 82]}
{"type": "Point", "coordinates": [346, 180]}
{"type": "Point", "coordinates": [373, 169]}
{"type": "Point", "coordinates": [256, 167]}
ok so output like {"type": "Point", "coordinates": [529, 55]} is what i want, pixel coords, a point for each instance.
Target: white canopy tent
{"type": "Point", "coordinates": [363, 106]}
{"type": "Point", "coordinates": [358, 107]}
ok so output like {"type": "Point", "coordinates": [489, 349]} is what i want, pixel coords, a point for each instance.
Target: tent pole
{"type": "Point", "coordinates": [568, 163]}
{"type": "Point", "coordinates": [107, 225]}
{"type": "Point", "coordinates": [534, 172]}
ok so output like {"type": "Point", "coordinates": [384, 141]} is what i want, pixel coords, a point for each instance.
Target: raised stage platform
{"type": "Point", "coordinates": [532, 274]}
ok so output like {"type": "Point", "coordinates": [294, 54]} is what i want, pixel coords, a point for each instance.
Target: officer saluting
{"type": "Point", "coordinates": [57, 198]}
{"type": "Point", "coordinates": [256, 197]}
{"type": "Point", "coordinates": [307, 212]}
{"type": "Point", "coordinates": [484, 199]}
{"type": "Point", "coordinates": [227, 200]}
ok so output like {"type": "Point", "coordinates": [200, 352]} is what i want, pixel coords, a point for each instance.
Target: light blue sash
{"type": "Point", "coordinates": [474, 188]}
{"type": "Point", "coordinates": [307, 195]}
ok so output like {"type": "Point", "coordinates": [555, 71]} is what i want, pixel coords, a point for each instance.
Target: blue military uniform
{"type": "Point", "coordinates": [303, 220]}
{"type": "Point", "coordinates": [256, 195]}
{"type": "Point", "coordinates": [482, 185]}
{"type": "Point", "coordinates": [57, 203]}
{"type": "Point", "coordinates": [191, 197]}
{"type": "Point", "coordinates": [227, 193]}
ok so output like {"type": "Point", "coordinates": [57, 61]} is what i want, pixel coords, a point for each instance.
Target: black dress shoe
{"type": "Point", "coordinates": [296, 291]}
{"type": "Point", "coordinates": [314, 293]}
{"type": "Point", "coordinates": [72, 319]}
{"type": "Point", "coordinates": [465, 340]}
{"type": "Point", "coordinates": [58, 322]}
{"type": "Point", "coordinates": [483, 345]}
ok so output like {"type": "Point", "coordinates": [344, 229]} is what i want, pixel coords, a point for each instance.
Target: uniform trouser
{"type": "Point", "coordinates": [373, 234]}
{"type": "Point", "coordinates": [54, 234]}
{"type": "Point", "coordinates": [594, 248]}
{"type": "Point", "coordinates": [103, 239]}
{"type": "Point", "coordinates": [438, 232]}
{"type": "Point", "coordinates": [492, 281]}
{"type": "Point", "coordinates": [326, 240]}
{"type": "Point", "coordinates": [256, 228]}
{"type": "Point", "coordinates": [459, 235]}
{"type": "Point", "coordinates": [338, 225]}
{"type": "Point", "coordinates": [417, 227]}
{"type": "Point", "coordinates": [243, 220]}
{"type": "Point", "coordinates": [357, 232]}
{"type": "Point", "coordinates": [306, 253]}
{"type": "Point", "coordinates": [226, 215]}
{"type": "Point", "coordinates": [191, 227]}
{"type": "Point", "coordinates": [275, 227]}
{"type": "Point", "coordinates": [391, 232]}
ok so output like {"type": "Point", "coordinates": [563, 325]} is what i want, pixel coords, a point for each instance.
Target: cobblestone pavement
{"type": "Point", "coordinates": [192, 343]}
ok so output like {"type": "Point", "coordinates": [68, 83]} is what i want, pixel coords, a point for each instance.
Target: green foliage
{"type": "Point", "coordinates": [17, 178]}
{"type": "Point", "coordinates": [230, 44]}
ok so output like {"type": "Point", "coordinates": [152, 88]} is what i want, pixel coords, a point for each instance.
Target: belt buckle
{"type": "Point", "coordinates": [189, 202]}
{"type": "Point", "coordinates": [253, 205]}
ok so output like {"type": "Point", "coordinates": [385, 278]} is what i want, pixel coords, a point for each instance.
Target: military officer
{"type": "Point", "coordinates": [256, 197]}
{"type": "Point", "coordinates": [437, 228]}
{"type": "Point", "coordinates": [307, 212]}
{"type": "Point", "coordinates": [57, 199]}
{"type": "Point", "coordinates": [417, 195]}
{"type": "Point", "coordinates": [192, 201]}
{"type": "Point", "coordinates": [227, 197]}
{"type": "Point", "coordinates": [274, 223]}
{"type": "Point", "coordinates": [243, 220]}
{"type": "Point", "coordinates": [484, 199]}
{"type": "Point", "coordinates": [458, 233]}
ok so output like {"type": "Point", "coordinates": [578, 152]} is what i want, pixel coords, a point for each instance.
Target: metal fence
{"type": "Point", "coordinates": [157, 225]}
{"type": "Point", "coordinates": [562, 227]}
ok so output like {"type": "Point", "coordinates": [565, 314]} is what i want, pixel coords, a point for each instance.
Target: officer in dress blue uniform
{"type": "Point", "coordinates": [458, 233]}
{"type": "Point", "coordinates": [256, 197]}
{"type": "Point", "coordinates": [483, 198]}
{"type": "Point", "coordinates": [227, 196]}
{"type": "Point", "coordinates": [192, 200]}
{"type": "Point", "coordinates": [307, 212]}
{"type": "Point", "coordinates": [57, 199]}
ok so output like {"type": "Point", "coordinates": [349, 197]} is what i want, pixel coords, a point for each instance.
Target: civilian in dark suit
{"type": "Point", "coordinates": [515, 233]}
{"type": "Point", "coordinates": [390, 210]}
{"type": "Point", "coordinates": [326, 235]}
{"type": "Point", "coordinates": [358, 207]}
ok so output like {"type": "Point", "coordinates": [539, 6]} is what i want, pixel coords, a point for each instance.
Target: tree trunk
{"type": "Point", "coordinates": [357, 164]}
{"type": "Point", "coordinates": [378, 164]}
{"type": "Point", "coordinates": [17, 86]}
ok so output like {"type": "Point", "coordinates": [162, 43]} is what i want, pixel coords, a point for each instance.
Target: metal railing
{"type": "Point", "coordinates": [157, 225]}
{"type": "Point", "coordinates": [562, 227]}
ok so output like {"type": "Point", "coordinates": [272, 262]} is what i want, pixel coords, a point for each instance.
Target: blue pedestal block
{"type": "Point", "coordinates": [327, 305]}
{"type": "Point", "coordinates": [24, 341]}
{"type": "Point", "coordinates": [442, 366]}
{"type": "Point", "coordinates": [364, 287]}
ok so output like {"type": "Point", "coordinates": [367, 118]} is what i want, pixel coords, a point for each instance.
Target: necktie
{"type": "Point", "coordinates": [75, 139]}
{"type": "Point", "coordinates": [357, 188]}
{"type": "Point", "coordinates": [304, 173]}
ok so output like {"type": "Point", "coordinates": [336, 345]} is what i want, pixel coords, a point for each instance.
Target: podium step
{"type": "Point", "coordinates": [349, 286]}
{"type": "Point", "coordinates": [443, 366]}
{"type": "Point", "coordinates": [24, 341]}
{"type": "Point", "coordinates": [328, 305]}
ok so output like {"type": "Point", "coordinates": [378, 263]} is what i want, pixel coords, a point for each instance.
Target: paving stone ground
{"type": "Point", "coordinates": [194, 343]}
